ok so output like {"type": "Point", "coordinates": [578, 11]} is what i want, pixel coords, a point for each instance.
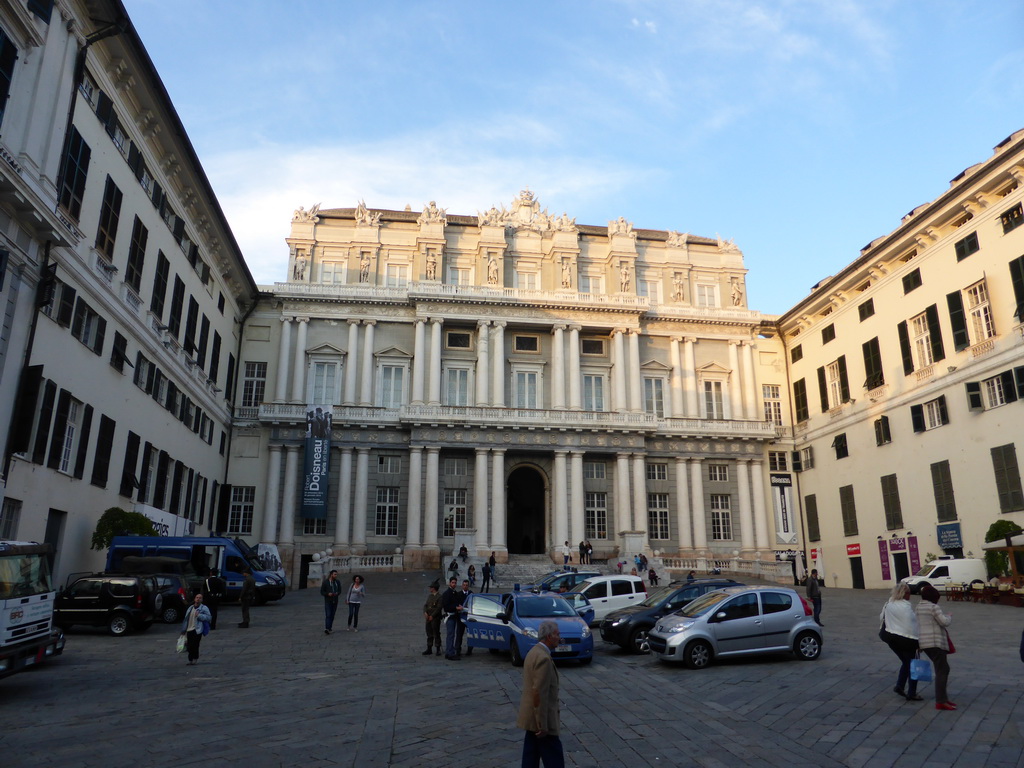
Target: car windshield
{"type": "Point", "coordinates": [703, 604]}
{"type": "Point", "coordinates": [537, 607]}
{"type": "Point", "coordinates": [926, 570]}
{"type": "Point", "coordinates": [656, 597]}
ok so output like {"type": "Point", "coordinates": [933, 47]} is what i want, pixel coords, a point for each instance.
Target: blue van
{"type": "Point", "coordinates": [194, 556]}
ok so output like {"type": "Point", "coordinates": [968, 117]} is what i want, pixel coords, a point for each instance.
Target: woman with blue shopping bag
{"type": "Point", "coordinates": [195, 626]}
{"type": "Point", "coordinates": [934, 641]}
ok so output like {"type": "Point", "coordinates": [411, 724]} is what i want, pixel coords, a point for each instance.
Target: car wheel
{"type": "Point", "coordinates": [697, 654]}
{"type": "Point", "coordinates": [170, 615]}
{"type": "Point", "coordinates": [638, 641]}
{"type": "Point", "coordinates": [118, 625]}
{"type": "Point", "coordinates": [517, 658]}
{"type": "Point", "coordinates": [807, 646]}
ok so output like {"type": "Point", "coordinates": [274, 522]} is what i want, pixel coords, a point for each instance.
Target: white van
{"type": "Point", "coordinates": [609, 593]}
{"type": "Point", "coordinates": [948, 570]}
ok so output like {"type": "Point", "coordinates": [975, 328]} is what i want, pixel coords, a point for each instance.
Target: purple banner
{"type": "Point", "coordinates": [915, 555]}
{"type": "Point", "coordinates": [883, 554]}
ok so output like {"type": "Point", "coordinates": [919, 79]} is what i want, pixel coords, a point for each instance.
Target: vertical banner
{"type": "Point", "coordinates": [782, 501]}
{"type": "Point", "coordinates": [915, 555]}
{"type": "Point", "coordinates": [883, 556]}
{"type": "Point", "coordinates": [317, 462]}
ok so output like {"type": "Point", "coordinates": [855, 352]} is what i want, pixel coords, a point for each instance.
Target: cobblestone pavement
{"type": "Point", "coordinates": [284, 694]}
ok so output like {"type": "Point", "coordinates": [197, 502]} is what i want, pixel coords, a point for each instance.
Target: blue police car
{"type": "Point", "coordinates": [509, 623]}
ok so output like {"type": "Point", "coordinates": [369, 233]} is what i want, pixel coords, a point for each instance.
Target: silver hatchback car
{"type": "Point", "coordinates": [738, 621]}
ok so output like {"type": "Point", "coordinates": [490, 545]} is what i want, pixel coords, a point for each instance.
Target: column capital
{"type": "Point", "coordinates": [619, 331]}
{"type": "Point", "coordinates": [558, 327]}
{"type": "Point", "coordinates": [482, 324]}
{"type": "Point", "coordinates": [734, 342]}
{"type": "Point", "coordinates": [482, 450]}
{"type": "Point", "coordinates": [499, 451]}
{"type": "Point", "coordinates": [678, 339]}
{"type": "Point", "coordinates": [578, 452]}
{"type": "Point", "coordinates": [301, 319]}
{"type": "Point", "coordinates": [499, 324]}
{"type": "Point", "coordinates": [433, 449]}
{"type": "Point", "coordinates": [286, 319]}
{"type": "Point", "coordinates": [561, 452]}
{"type": "Point", "coordinates": [369, 322]}
{"type": "Point", "coordinates": [690, 339]}
{"type": "Point", "coordinates": [633, 331]}
{"type": "Point", "coordinates": [575, 327]}
{"type": "Point", "coordinates": [437, 320]}
{"type": "Point", "coordinates": [361, 451]}
{"type": "Point", "coordinates": [353, 321]}
{"type": "Point", "coordinates": [292, 448]}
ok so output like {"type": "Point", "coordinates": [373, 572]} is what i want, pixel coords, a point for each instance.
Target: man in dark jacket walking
{"type": "Point", "coordinates": [248, 595]}
{"type": "Point", "coordinates": [814, 595]}
{"type": "Point", "coordinates": [450, 602]}
{"type": "Point", "coordinates": [331, 591]}
{"type": "Point", "coordinates": [214, 589]}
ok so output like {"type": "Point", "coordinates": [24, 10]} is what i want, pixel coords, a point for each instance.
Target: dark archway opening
{"type": "Point", "coordinates": [525, 512]}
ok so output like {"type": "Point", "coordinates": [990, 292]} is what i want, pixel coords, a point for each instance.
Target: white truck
{"type": "Point", "coordinates": [948, 570]}
{"type": "Point", "coordinates": [27, 634]}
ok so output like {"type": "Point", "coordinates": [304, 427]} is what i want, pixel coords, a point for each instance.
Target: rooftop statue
{"type": "Point", "coordinates": [432, 215]}
{"type": "Point", "coordinates": [366, 217]}
{"type": "Point", "coordinates": [677, 239]}
{"type": "Point", "coordinates": [726, 246]}
{"type": "Point", "coordinates": [303, 216]}
{"type": "Point", "coordinates": [491, 218]}
{"type": "Point", "coordinates": [620, 227]}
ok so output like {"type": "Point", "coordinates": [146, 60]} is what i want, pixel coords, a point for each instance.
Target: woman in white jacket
{"type": "Point", "coordinates": [900, 632]}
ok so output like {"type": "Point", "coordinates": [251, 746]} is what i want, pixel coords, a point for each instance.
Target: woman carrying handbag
{"type": "Point", "coordinates": [195, 626]}
{"type": "Point", "coordinates": [934, 641]}
{"type": "Point", "coordinates": [900, 632]}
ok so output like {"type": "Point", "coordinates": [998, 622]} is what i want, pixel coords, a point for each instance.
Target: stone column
{"type": "Point", "coordinates": [362, 494]}
{"type": "Point", "coordinates": [482, 364]}
{"type": "Point", "coordinates": [559, 501]}
{"type": "Point", "coordinates": [299, 370]}
{"type": "Point", "coordinates": [640, 495]}
{"type": "Point", "coordinates": [283, 352]}
{"type": "Point", "coordinates": [419, 361]}
{"type": "Point", "coordinates": [749, 386]}
{"type": "Point", "coordinates": [636, 389]}
{"type": "Point", "coordinates": [434, 396]}
{"type": "Point", "coordinates": [760, 480]}
{"type": "Point", "coordinates": [291, 479]}
{"type": "Point", "coordinates": [690, 379]}
{"type": "Point", "coordinates": [351, 363]}
{"type": "Point", "coordinates": [677, 379]}
{"type": "Point", "coordinates": [623, 515]}
{"type": "Point", "coordinates": [430, 500]}
{"type": "Point", "coordinates": [619, 369]}
{"type": "Point", "coordinates": [574, 371]}
{"type": "Point", "coordinates": [700, 523]}
{"type": "Point", "coordinates": [558, 367]}
{"type": "Point", "coordinates": [498, 360]}
{"type": "Point", "coordinates": [683, 523]}
{"type": "Point", "coordinates": [271, 501]}
{"type": "Point", "coordinates": [498, 534]}
{"type": "Point", "coordinates": [734, 405]}
{"type": "Point", "coordinates": [576, 495]}
{"type": "Point", "coordinates": [746, 512]}
{"type": "Point", "coordinates": [480, 501]}
{"type": "Point", "coordinates": [412, 526]}
{"type": "Point", "coordinates": [341, 535]}
{"type": "Point", "coordinates": [366, 383]}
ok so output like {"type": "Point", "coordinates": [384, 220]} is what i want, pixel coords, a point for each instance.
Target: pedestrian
{"type": "Point", "coordinates": [691, 576]}
{"type": "Point", "coordinates": [900, 632]}
{"type": "Point", "coordinates": [934, 641]}
{"type": "Point", "coordinates": [485, 580]}
{"type": "Point", "coordinates": [566, 555]}
{"type": "Point", "coordinates": [453, 568]}
{"type": "Point", "coordinates": [652, 576]}
{"type": "Point", "coordinates": [492, 561]}
{"type": "Point", "coordinates": [471, 573]}
{"type": "Point", "coordinates": [463, 610]}
{"type": "Point", "coordinates": [643, 562]}
{"type": "Point", "coordinates": [814, 595]}
{"type": "Point", "coordinates": [636, 563]}
{"type": "Point", "coordinates": [213, 592]}
{"type": "Point", "coordinates": [538, 706]}
{"type": "Point", "coordinates": [450, 616]}
{"type": "Point", "coordinates": [432, 617]}
{"type": "Point", "coordinates": [463, 552]}
{"type": "Point", "coordinates": [195, 626]}
{"type": "Point", "coordinates": [331, 591]}
{"type": "Point", "coordinates": [583, 553]}
{"type": "Point", "coordinates": [247, 596]}
{"type": "Point", "coordinates": [590, 552]}
{"type": "Point", "coordinates": [354, 599]}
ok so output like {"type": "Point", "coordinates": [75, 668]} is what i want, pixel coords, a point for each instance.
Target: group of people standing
{"type": "Point", "coordinates": [331, 590]}
{"type": "Point", "coordinates": [451, 609]}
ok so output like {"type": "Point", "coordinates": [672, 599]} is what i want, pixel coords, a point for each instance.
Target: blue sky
{"type": "Point", "coordinates": [801, 129]}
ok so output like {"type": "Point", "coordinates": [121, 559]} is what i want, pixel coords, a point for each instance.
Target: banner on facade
{"type": "Point", "coordinates": [782, 501]}
{"type": "Point", "coordinates": [317, 461]}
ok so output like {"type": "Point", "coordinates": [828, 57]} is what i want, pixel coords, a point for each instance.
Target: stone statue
{"type": "Point", "coordinates": [564, 224]}
{"type": "Point", "coordinates": [431, 265]}
{"type": "Point", "coordinates": [491, 218]}
{"type": "Point", "coordinates": [737, 292]}
{"type": "Point", "coordinates": [677, 239]}
{"type": "Point", "coordinates": [624, 276]}
{"type": "Point", "coordinates": [364, 268]}
{"type": "Point", "coordinates": [492, 271]}
{"type": "Point", "coordinates": [677, 286]}
{"type": "Point", "coordinates": [365, 217]}
{"type": "Point", "coordinates": [299, 270]}
{"type": "Point", "coordinates": [303, 216]}
{"type": "Point", "coordinates": [620, 227]}
{"type": "Point", "coordinates": [726, 246]}
{"type": "Point", "coordinates": [566, 273]}
{"type": "Point", "coordinates": [432, 215]}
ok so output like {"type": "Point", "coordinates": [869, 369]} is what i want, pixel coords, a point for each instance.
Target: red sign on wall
{"type": "Point", "coordinates": [853, 550]}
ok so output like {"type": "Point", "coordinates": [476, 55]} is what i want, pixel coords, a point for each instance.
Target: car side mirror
{"type": "Point", "coordinates": [720, 616]}
{"type": "Point", "coordinates": [503, 616]}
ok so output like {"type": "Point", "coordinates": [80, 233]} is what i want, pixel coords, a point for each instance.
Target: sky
{"type": "Point", "coordinates": [800, 129]}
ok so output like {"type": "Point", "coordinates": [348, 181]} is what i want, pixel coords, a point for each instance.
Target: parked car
{"type": "Point", "coordinates": [583, 607]}
{"type": "Point", "coordinates": [948, 570]}
{"type": "Point", "coordinates": [177, 596]}
{"type": "Point", "coordinates": [609, 593]}
{"type": "Point", "coordinates": [738, 621]}
{"type": "Point", "coordinates": [510, 622]}
{"type": "Point", "coordinates": [116, 601]}
{"type": "Point", "coordinates": [628, 627]}
{"type": "Point", "coordinates": [555, 580]}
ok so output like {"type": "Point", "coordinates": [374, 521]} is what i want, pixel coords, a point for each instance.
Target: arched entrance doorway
{"type": "Point", "coordinates": [524, 527]}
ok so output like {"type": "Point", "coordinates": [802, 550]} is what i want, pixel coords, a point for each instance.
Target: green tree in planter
{"type": "Point", "coordinates": [119, 522]}
{"type": "Point", "coordinates": [998, 563]}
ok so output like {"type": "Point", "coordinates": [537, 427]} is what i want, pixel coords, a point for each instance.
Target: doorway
{"type": "Point", "coordinates": [524, 519]}
{"type": "Point", "coordinates": [857, 572]}
{"type": "Point", "coordinates": [900, 565]}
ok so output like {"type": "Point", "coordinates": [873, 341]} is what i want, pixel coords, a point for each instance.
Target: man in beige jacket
{"type": "Point", "coordinates": [538, 707]}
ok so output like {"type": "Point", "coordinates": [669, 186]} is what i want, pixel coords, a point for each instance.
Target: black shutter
{"type": "Point", "coordinates": [1017, 279]}
{"type": "Point", "coordinates": [147, 450]}
{"type": "Point", "coordinates": [958, 321]}
{"type": "Point", "coordinates": [25, 409]}
{"type": "Point", "coordinates": [160, 486]}
{"type": "Point", "coordinates": [844, 381]}
{"type": "Point", "coordinates": [150, 378]}
{"type": "Point", "coordinates": [943, 412]}
{"type": "Point", "coordinates": [908, 357]}
{"type": "Point", "coordinates": [224, 507]}
{"type": "Point", "coordinates": [104, 111]}
{"type": "Point", "coordinates": [135, 160]}
{"type": "Point", "coordinates": [101, 333]}
{"type": "Point", "coordinates": [917, 417]}
{"type": "Point", "coordinates": [131, 460]}
{"type": "Point", "coordinates": [1009, 386]}
{"type": "Point", "coordinates": [176, 488]}
{"type": "Point", "coordinates": [83, 442]}
{"type": "Point", "coordinates": [935, 333]}
{"type": "Point", "coordinates": [823, 389]}
{"type": "Point", "coordinates": [796, 461]}
{"type": "Point", "coordinates": [1018, 375]}
{"type": "Point", "coordinates": [43, 428]}
{"type": "Point", "coordinates": [60, 424]}
{"type": "Point", "coordinates": [974, 401]}
{"type": "Point", "coordinates": [104, 444]}
{"type": "Point", "coordinates": [66, 308]}
{"type": "Point", "coordinates": [872, 364]}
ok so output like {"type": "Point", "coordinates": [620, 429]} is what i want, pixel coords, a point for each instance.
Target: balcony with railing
{"type": "Point", "coordinates": [747, 430]}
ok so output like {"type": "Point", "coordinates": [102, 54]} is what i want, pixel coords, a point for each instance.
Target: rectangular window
{"type": "Point", "coordinates": [813, 527]}
{"type": "Point", "coordinates": [828, 333]}
{"type": "Point", "coordinates": [654, 396]}
{"type": "Point", "coordinates": [332, 272]}
{"type": "Point", "coordinates": [930, 415]}
{"type": "Point", "coordinates": [204, 338]}
{"type": "Point", "coordinates": [657, 515]}
{"type": "Point", "coordinates": [980, 313]}
{"type": "Point", "coordinates": [591, 284]}
{"type": "Point", "coordinates": [455, 467]}
{"type": "Point", "coordinates": [592, 346]}
{"type": "Point", "coordinates": [459, 340]}
{"type": "Point", "coordinates": [595, 513]}
{"type": "Point", "coordinates": [848, 509]}
{"type": "Point", "coordinates": [526, 343]}
{"type": "Point", "coordinates": [215, 357]}
{"type": "Point", "coordinates": [119, 353]}
{"type": "Point", "coordinates": [593, 392]}
{"type": "Point", "coordinates": [129, 480]}
{"type": "Point", "coordinates": [240, 513]}
{"type": "Point", "coordinates": [834, 372]}
{"type": "Point", "coordinates": [1007, 474]}
{"type": "Point", "coordinates": [88, 327]}
{"type": "Point", "coordinates": [110, 214]}
{"type": "Point", "coordinates": [707, 294]}
{"type": "Point", "coordinates": [772, 396]}
{"type": "Point", "coordinates": [325, 380]}
{"type": "Point", "coordinates": [10, 515]}
{"type": "Point", "coordinates": [312, 526]}
{"type": "Point", "coordinates": [714, 400]}
{"type": "Point", "coordinates": [922, 341]}
{"type": "Point", "coordinates": [882, 433]}
{"type": "Point", "coordinates": [136, 255]}
{"type": "Point", "coordinates": [994, 390]}
{"type": "Point", "coordinates": [396, 276]}
{"type": "Point", "coordinates": [526, 389]}
{"type": "Point", "coordinates": [657, 470]}
{"type": "Point", "coordinates": [718, 473]}
{"type": "Point", "coordinates": [527, 280]}
{"type": "Point", "coordinates": [841, 447]}
{"type": "Point", "coordinates": [594, 470]}
{"type": "Point", "coordinates": [875, 376]}
{"type": "Point", "coordinates": [75, 172]}
{"type": "Point", "coordinates": [392, 383]}
{"type": "Point", "coordinates": [911, 281]}
{"type": "Point", "coordinates": [389, 465]}
{"type": "Point", "coordinates": [796, 353]}
{"type": "Point", "coordinates": [458, 276]}
{"type": "Point", "coordinates": [891, 503]}
{"type": "Point", "coordinates": [386, 516]}
{"type": "Point", "coordinates": [866, 309]}
{"type": "Point", "coordinates": [651, 289]}
{"type": "Point", "coordinates": [454, 510]}
{"type": "Point", "coordinates": [721, 517]}
{"type": "Point", "coordinates": [800, 400]}
{"type": "Point", "coordinates": [942, 486]}
{"type": "Point", "coordinates": [1012, 218]}
{"type": "Point", "coordinates": [254, 384]}
{"type": "Point", "coordinates": [69, 440]}
{"type": "Point", "coordinates": [966, 246]}
{"type": "Point", "coordinates": [778, 461]}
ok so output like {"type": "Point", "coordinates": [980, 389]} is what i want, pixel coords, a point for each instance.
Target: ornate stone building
{"type": "Point", "coordinates": [511, 378]}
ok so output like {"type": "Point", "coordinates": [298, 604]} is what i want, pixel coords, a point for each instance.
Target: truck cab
{"type": "Point", "coordinates": [27, 635]}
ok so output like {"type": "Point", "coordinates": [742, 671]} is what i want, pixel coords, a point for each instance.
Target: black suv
{"type": "Point", "coordinates": [177, 596]}
{"type": "Point", "coordinates": [114, 601]}
{"type": "Point", "coordinates": [628, 627]}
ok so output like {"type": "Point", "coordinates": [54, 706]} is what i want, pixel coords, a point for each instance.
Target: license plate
{"type": "Point", "coordinates": [563, 649]}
